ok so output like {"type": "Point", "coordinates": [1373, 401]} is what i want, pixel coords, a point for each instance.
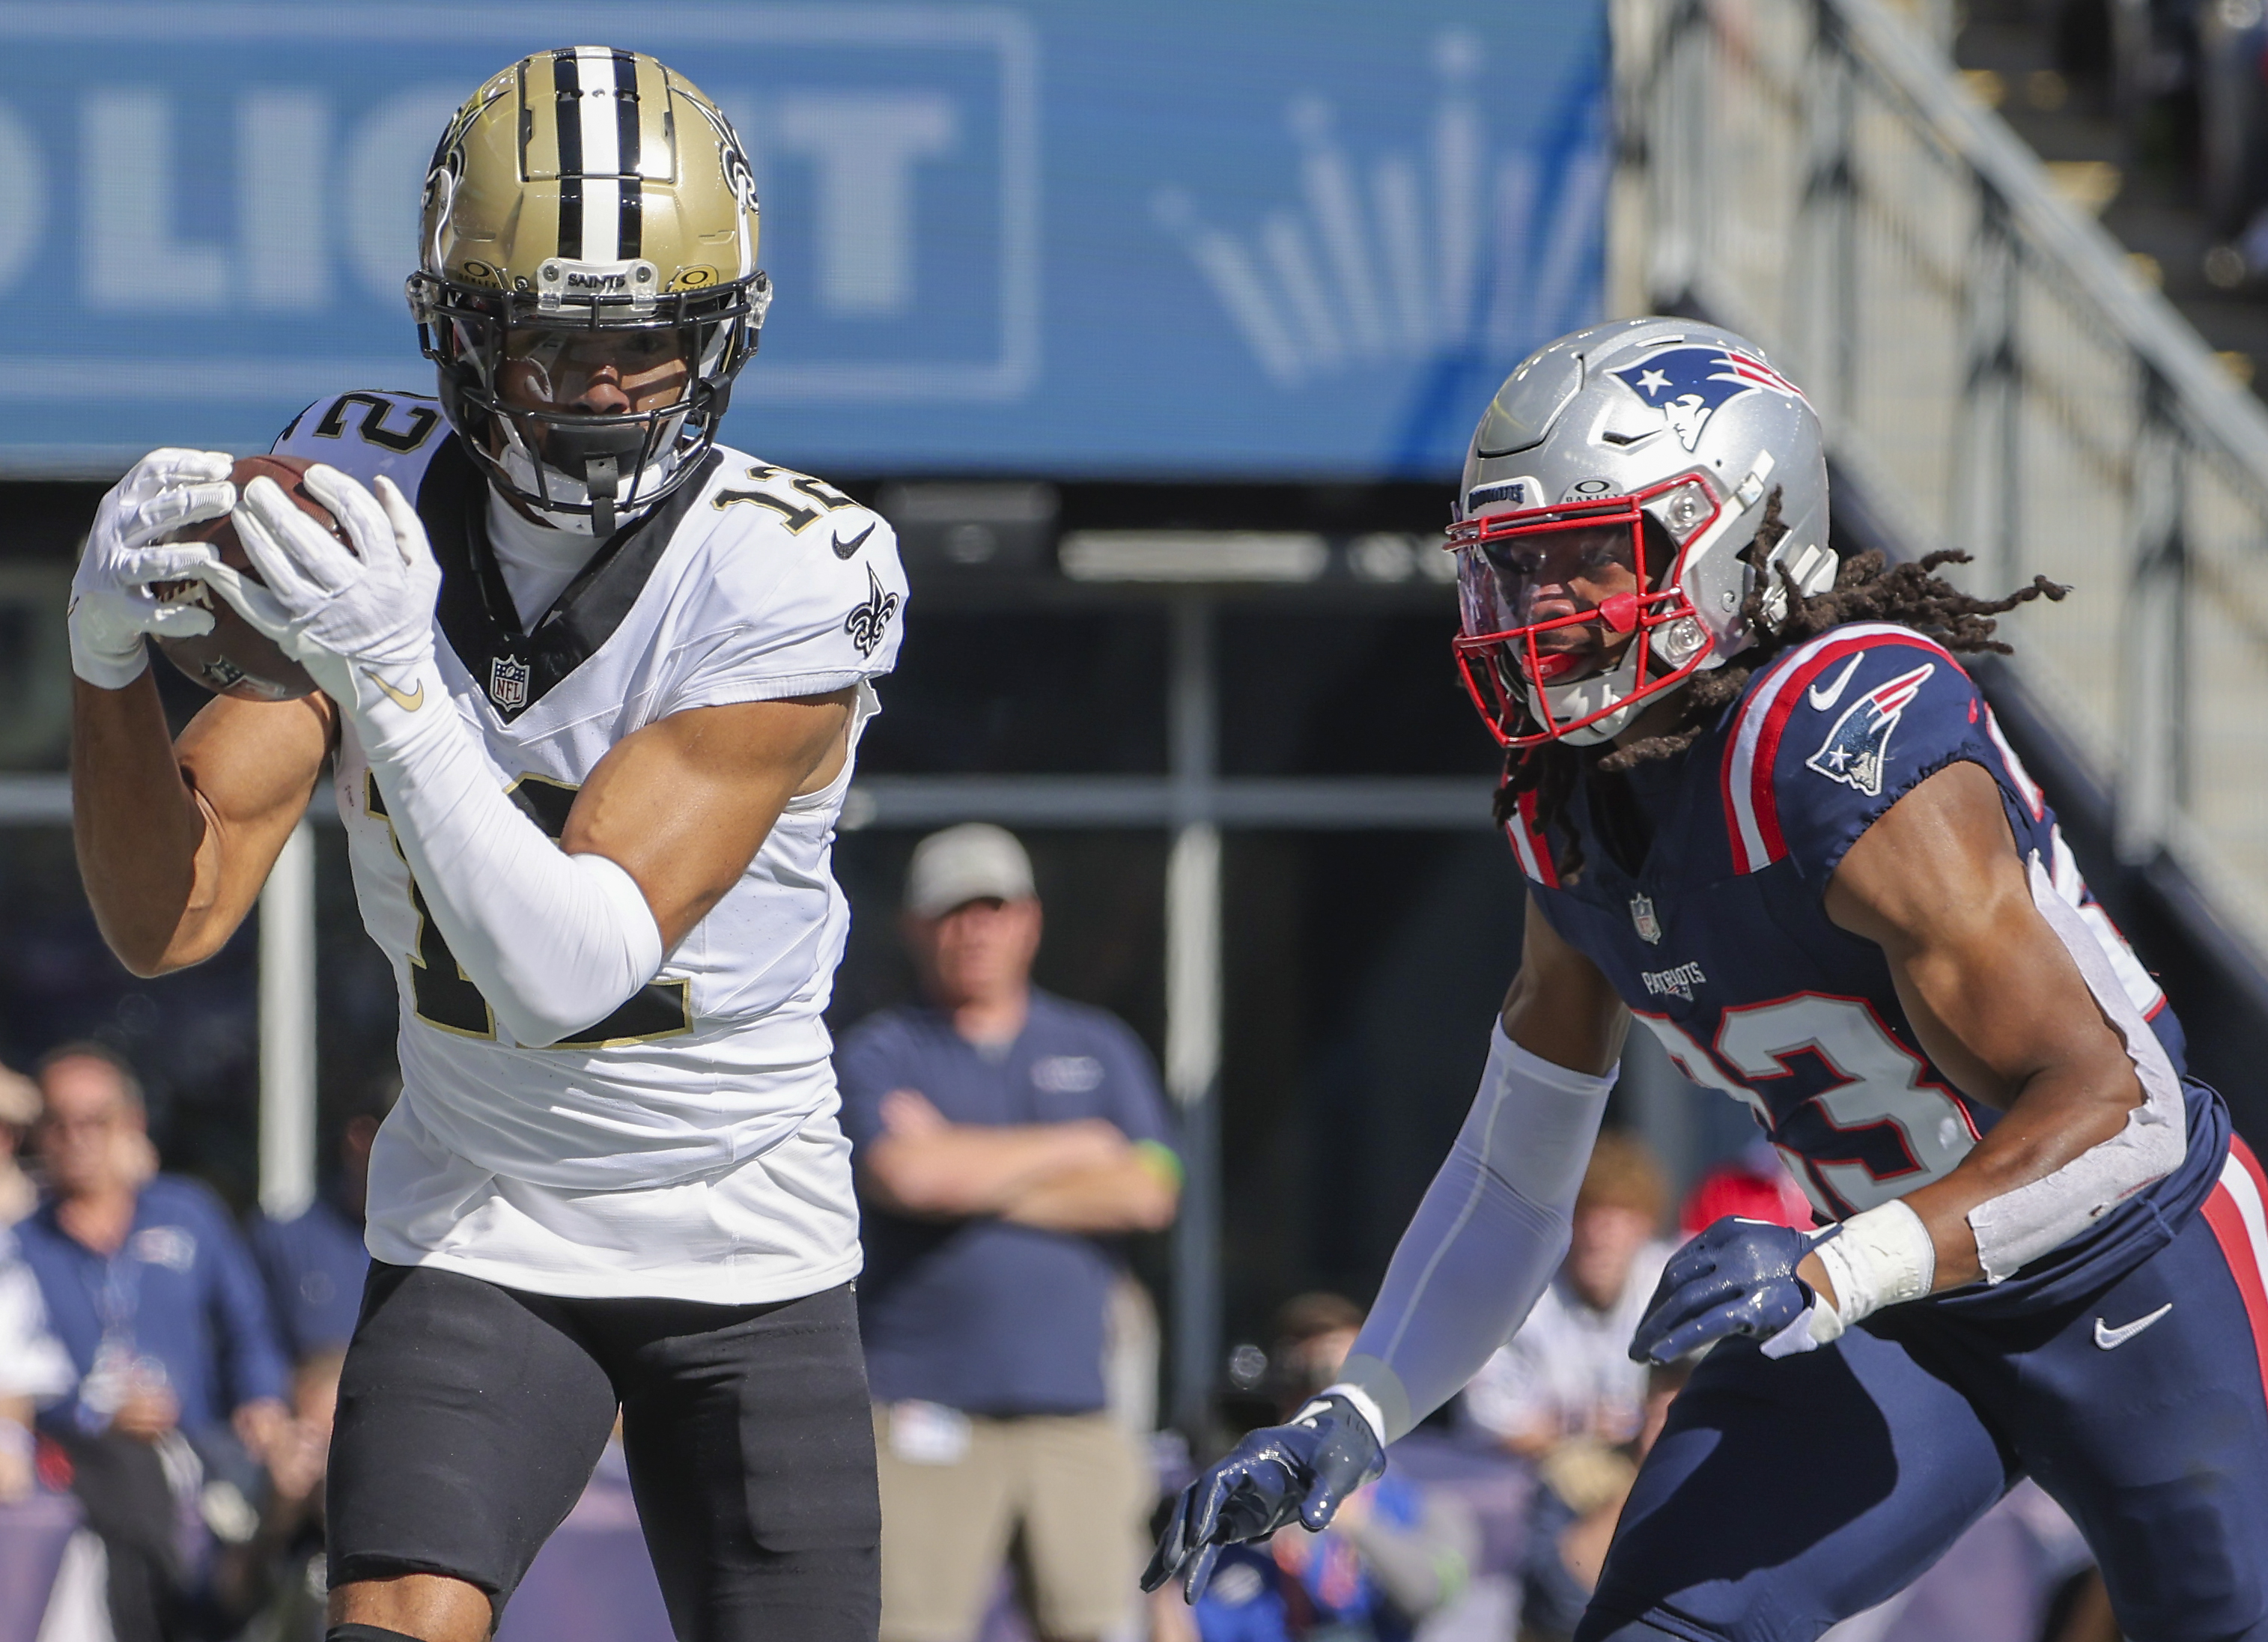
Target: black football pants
{"type": "Point", "coordinates": [471, 1417]}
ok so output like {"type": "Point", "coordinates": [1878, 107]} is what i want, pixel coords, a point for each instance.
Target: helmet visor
{"type": "Point", "coordinates": [1554, 596]}
{"type": "Point", "coordinates": [600, 372]}
{"type": "Point", "coordinates": [1573, 588]}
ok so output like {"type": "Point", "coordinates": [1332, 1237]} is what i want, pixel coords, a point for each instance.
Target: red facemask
{"type": "Point", "coordinates": [1551, 596]}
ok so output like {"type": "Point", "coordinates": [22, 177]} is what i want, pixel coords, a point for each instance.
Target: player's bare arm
{"type": "Point", "coordinates": [174, 839]}
{"type": "Point", "coordinates": [683, 805]}
{"type": "Point", "coordinates": [1560, 1008]}
{"type": "Point", "coordinates": [1991, 991]}
{"type": "Point", "coordinates": [173, 842]}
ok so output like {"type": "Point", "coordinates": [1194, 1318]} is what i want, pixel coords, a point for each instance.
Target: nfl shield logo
{"type": "Point", "coordinates": [1642, 919]}
{"type": "Point", "coordinates": [508, 683]}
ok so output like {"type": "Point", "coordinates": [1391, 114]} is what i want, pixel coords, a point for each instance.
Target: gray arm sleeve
{"type": "Point", "coordinates": [1491, 1230]}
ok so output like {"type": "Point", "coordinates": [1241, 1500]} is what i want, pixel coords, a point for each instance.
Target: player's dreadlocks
{"type": "Point", "coordinates": [1867, 588]}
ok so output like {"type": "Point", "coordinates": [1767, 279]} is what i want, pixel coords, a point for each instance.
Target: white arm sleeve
{"type": "Point", "coordinates": [555, 942]}
{"type": "Point", "coordinates": [2017, 1227]}
{"type": "Point", "coordinates": [1491, 1230]}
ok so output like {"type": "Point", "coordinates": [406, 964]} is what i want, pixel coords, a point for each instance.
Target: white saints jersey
{"type": "Point", "coordinates": [685, 1144]}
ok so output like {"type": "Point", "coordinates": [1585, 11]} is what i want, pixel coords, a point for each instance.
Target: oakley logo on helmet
{"type": "Point", "coordinates": [1687, 385]}
{"type": "Point", "coordinates": [1859, 746]}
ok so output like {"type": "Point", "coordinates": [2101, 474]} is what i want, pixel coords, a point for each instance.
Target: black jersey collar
{"type": "Point", "coordinates": [514, 668]}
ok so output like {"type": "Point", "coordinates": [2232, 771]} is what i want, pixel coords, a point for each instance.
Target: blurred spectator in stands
{"type": "Point", "coordinates": [19, 1110]}
{"type": "Point", "coordinates": [180, 1380]}
{"type": "Point", "coordinates": [1395, 1554]}
{"type": "Point", "coordinates": [312, 1266]}
{"type": "Point", "coordinates": [1567, 1374]}
{"type": "Point", "coordinates": [278, 1574]}
{"type": "Point", "coordinates": [1754, 1184]}
{"type": "Point", "coordinates": [314, 1262]}
{"type": "Point", "coordinates": [1580, 1486]}
{"type": "Point", "coordinates": [1006, 1139]}
{"type": "Point", "coordinates": [35, 1368]}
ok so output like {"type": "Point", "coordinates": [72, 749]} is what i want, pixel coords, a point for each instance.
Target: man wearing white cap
{"type": "Point", "coordinates": [1004, 1137]}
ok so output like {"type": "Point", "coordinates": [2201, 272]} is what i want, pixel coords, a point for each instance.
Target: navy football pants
{"type": "Point", "coordinates": [1785, 1496]}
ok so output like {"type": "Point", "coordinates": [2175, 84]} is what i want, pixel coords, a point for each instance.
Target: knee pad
{"type": "Point", "coordinates": [365, 1633]}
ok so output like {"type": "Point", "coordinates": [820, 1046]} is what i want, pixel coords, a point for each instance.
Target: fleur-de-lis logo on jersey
{"type": "Point", "coordinates": [866, 622]}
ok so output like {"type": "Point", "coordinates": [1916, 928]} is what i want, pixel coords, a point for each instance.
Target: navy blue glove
{"type": "Point", "coordinates": [1276, 1474]}
{"type": "Point", "coordinates": [1736, 1278]}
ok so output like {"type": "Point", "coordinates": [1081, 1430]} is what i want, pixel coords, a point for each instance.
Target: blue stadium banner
{"type": "Point", "coordinates": [1288, 237]}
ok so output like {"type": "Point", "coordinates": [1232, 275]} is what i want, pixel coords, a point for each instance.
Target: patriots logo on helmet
{"type": "Point", "coordinates": [1687, 385]}
{"type": "Point", "coordinates": [1859, 746]}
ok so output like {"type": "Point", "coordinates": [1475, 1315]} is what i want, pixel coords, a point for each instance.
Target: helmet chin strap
{"type": "Point", "coordinates": [601, 491]}
{"type": "Point", "coordinates": [600, 475]}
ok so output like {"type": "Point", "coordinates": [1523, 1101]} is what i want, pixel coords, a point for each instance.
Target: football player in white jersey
{"type": "Point", "coordinates": [590, 688]}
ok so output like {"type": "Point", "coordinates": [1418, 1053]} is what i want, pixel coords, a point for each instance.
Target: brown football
{"type": "Point", "coordinates": [236, 659]}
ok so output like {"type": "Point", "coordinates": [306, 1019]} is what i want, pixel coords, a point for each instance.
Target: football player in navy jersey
{"type": "Point", "coordinates": [1763, 810]}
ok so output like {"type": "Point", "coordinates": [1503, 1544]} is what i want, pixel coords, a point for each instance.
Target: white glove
{"type": "Point", "coordinates": [111, 605]}
{"type": "Point", "coordinates": [353, 618]}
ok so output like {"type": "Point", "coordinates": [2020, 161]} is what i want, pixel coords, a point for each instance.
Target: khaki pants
{"type": "Point", "coordinates": [1068, 1494]}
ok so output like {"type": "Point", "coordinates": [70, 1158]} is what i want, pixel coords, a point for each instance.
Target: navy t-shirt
{"type": "Point", "coordinates": [313, 1265]}
{"type": "Point", "coordinates": [980, 1315]}
{"type": "Point", "coordinates": [182, 1290]}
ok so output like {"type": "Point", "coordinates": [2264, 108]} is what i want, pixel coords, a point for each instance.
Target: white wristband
{"type": "Point", "coordinates": [1882, 1257]}
{"type": "Point", "coordinates": [1359, 1400]}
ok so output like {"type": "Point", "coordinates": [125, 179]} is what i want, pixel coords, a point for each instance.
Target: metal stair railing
{"type": "Point", "coordinates": [1994, 372]}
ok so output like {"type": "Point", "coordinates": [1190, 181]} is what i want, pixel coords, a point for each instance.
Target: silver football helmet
{"type": "Point", "coordinates": [1603, 527]}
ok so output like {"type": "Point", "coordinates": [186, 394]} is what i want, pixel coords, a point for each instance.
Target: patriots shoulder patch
{"type": "Point", "coordinates": [1858, 747]}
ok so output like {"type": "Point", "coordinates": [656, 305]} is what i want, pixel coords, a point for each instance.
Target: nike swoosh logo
{"type": "Point", "coordinates": [2110, 1339]}
{"type": "Point", "coordinates": [410, 703]}
{"type": "Point", "coordinates": [1822, 701]}
{"type": "Point", "coordinates": [845, 549]}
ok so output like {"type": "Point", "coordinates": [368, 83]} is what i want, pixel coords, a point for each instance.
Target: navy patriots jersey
{"type": "Point", "coordinates": [1714, 932]}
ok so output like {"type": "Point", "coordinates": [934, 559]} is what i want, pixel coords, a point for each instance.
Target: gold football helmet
{"type": "Point", "coordinates": [588, 283]}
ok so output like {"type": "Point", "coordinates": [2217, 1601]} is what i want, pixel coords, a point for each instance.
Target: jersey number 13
{"type": "Point", "coordinates": [1876, 1132]}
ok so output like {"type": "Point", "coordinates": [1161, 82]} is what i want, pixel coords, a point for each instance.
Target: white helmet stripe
{"type": "Point", "coordinates": [599, 139]}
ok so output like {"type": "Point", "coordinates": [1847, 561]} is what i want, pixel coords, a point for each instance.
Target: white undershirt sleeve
{"type": "Point", "coordinates": [554, 942]}
{"type": "Point", "coordinates": [2017, 1227]}
{"type": "Point", "coordinates": [1492, 1228]}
